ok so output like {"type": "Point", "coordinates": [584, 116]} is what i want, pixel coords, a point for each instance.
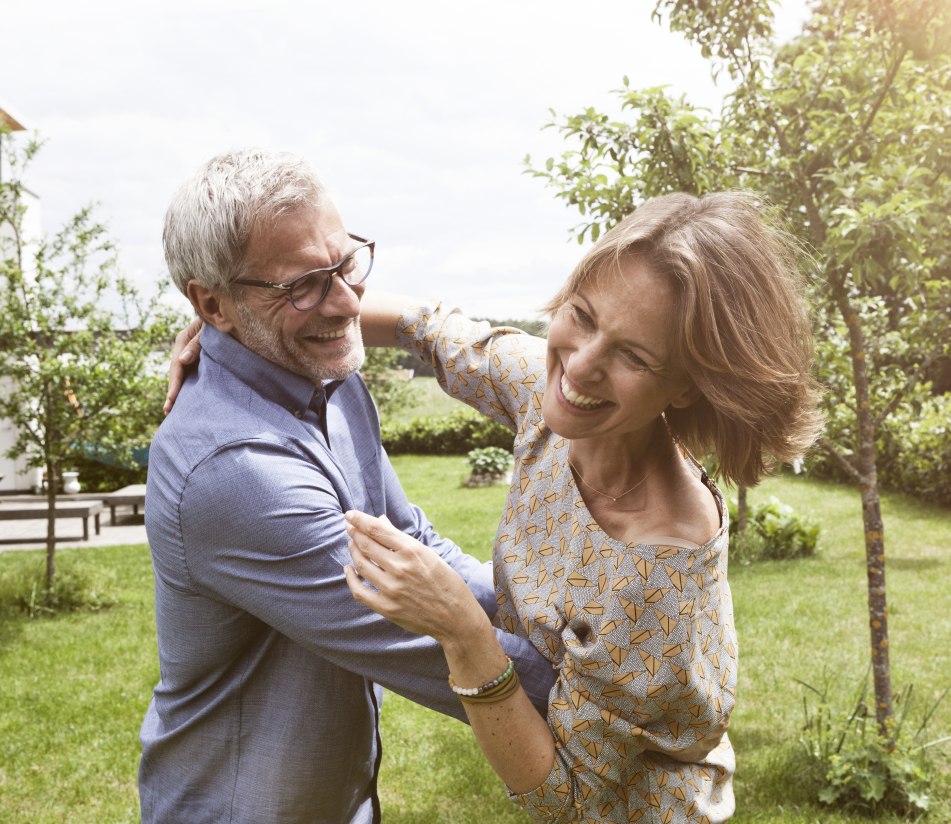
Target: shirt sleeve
{"type": "Point", "coordinates": [285, 567]}
{"type": "Point", "coordinates": [649, 667]}
{"type": "Point", "coordinates": [492, 369]}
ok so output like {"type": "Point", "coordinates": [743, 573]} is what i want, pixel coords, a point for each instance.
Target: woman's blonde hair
{"type": "Point", "coordinates": [744, 339]}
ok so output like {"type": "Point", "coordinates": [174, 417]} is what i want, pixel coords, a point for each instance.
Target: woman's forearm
{"type": "Point", "coordinates": [379, 313]}
{"type": "Point", "coordinates": [515, 739]}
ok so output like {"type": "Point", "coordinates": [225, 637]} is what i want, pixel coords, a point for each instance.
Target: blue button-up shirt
{"type": "Point", "coordinates": [268, 702]}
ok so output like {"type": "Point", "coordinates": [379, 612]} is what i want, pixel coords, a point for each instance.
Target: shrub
{"type": "Point", "coordinates": [773, 532]}
{"type": "Point", "coordinates": [489, 460]}
{"type": "Point", "coordinates": [746, 546]}
{"type": "Point", "coordinates": [854, 767]}
{"type": "Point", "coordinates": [913, 446]}
{"type": "Point", "coordinates": [95, 476]}
{"type": "Point", "coordinates": [453, 434]}
{"type": "Point", "coordinates": [77, 585]}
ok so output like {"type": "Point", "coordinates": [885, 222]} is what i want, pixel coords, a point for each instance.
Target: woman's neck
{"type": "Point", "coordinates": [615, 467]}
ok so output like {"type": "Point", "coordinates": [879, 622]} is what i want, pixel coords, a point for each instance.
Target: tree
{"type": "Point", "coordinates": [846, 130]}
{"type": "Point", "coordinates": [381, 370]}
{"type": "Point", "coordinates": [78, 346]}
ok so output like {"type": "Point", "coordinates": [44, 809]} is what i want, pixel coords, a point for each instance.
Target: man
{"type": "Point", "coordinates": [268, 704]}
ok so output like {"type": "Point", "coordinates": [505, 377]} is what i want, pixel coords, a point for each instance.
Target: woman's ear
{"type": "Point", "coordinates": [209, 306]}
{"type": "Point", "coordinates": [686, 397]}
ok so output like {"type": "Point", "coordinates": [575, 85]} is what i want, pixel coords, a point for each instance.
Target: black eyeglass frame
{"type": "Point", "coordinates": [336, 269]}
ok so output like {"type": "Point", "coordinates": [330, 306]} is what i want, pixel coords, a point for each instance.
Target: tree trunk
{"type": "Point", "coordinates": [741, 508]}
{"type": "Point", "coordinates": [50, 524]}
{"type": "Point", "coordinates": [872, 521]}
{"type": "Point", "coordinates": [877, 606]}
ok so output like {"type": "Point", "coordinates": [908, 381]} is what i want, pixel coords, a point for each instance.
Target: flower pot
{"type": "Point", "coordinates": [71, 483]}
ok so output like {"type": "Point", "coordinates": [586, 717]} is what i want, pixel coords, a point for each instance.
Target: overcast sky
{"type": "Point", "coordinates": [417, 114]}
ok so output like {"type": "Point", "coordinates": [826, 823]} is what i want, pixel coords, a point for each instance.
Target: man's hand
{"type": "Point", "coordinates": [185, 352]}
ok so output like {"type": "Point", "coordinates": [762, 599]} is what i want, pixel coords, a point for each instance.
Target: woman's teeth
{"type": "Point", "coordinates": [577, 399]}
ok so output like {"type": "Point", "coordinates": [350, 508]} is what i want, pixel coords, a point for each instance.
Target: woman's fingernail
{"type": "Point", "coordinates": [187, 356]}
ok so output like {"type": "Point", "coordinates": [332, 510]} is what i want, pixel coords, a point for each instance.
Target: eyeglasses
{"type": "Point", "coordinates": [307, 290]}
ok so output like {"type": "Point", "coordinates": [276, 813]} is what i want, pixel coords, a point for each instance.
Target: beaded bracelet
{"type": "Point", "coordinates": [499, 693]}
{"type": "Point", "coordinates": [472, 691]}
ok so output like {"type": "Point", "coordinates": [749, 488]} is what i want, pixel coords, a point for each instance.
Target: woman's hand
{"type": "Point", "coordinates": [414, 587]}
{"type": "Point", "coordinates": [417, 589]}
{"type": "Point", "coordinates": [185, 352]}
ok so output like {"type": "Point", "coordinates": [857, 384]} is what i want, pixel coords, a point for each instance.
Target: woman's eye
{"type": "Point", "coordinates": [581, 316]}
{"type": "Point", "coordinates": [633, 358]}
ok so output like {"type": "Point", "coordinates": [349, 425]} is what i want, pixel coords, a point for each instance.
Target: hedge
{"type": "Point", "coordinates": [453, 434]}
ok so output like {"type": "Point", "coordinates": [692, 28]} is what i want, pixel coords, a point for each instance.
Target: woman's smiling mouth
{"type": "Point", "coordinates": [578, 400]}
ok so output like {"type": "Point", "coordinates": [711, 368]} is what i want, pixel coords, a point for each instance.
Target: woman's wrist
{"type": "Point", "coordinates": [473, 653]}
{"type": "Point", "coordinates": [470, 629]}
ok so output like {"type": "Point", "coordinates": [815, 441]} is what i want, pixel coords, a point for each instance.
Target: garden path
{"type": "Point", "coordinates": [129, 529]}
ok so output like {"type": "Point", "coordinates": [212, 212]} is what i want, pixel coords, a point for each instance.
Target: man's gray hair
{"type": "Point", "coordinates": [212, 216]}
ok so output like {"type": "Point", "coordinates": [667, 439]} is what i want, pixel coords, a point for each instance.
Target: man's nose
{"type": "Point", "coordinates": [343, 300]}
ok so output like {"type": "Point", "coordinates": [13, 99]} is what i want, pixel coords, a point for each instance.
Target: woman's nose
{"type": "Point", "coordinates": [587, 360]}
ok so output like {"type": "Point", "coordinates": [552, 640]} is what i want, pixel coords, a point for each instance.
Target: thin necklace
{"type": "Point", "coordinates": [614, 498]}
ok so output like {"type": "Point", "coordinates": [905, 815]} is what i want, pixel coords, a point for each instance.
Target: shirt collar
{"type": "Point", "coordinates": [290, 390]}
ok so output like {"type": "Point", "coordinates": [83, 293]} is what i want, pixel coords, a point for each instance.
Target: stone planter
{"type": "Point", "coordinates": [71, 483]}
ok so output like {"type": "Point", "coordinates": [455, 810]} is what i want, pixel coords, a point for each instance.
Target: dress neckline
{"type": "Point", "coordinates": [651, 540]}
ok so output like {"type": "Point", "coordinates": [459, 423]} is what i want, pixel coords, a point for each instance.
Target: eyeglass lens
{"type": "Point", "coordinates": [311, 289]}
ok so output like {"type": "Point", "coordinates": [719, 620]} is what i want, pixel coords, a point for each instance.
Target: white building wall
{"type": "Point", "coordinates": [13, 472]}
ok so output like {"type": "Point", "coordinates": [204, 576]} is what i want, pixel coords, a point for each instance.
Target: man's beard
{"type": "Point", "coordinates": [267, 342]}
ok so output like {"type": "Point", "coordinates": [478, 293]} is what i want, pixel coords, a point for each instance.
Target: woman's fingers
{"type": "Point", "coordinates": [367, 584]}
{"type": "Point", "coordinates": [364, 594]}
{"type": "Point", "coordinates": [184, 352]}
{"type": "Point", "coordinates": [366, 561]}
{"type": "Point", "coordinates": [379, 530]}
{"type": "Point", "coordinates": [365, 550]}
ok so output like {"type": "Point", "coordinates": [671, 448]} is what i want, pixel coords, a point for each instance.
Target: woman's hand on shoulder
{"type": "Point", "coordinates": [185, 354]}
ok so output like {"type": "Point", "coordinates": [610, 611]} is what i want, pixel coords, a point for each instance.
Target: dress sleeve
{"type": "Point", "coordinates": [495, 370]}
{"type": "Point", "coordinates": [649, 673]}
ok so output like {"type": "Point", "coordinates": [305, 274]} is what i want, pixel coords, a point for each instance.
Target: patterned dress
{"type": "Point", "coordinates": [642, 634]}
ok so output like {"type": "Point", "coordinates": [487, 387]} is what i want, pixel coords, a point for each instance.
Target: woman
{"type": "Point", "coordinates": [683, 330]}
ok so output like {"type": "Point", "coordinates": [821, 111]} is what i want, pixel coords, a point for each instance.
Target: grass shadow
{"type": "Point", "coordinates": [913, 564]}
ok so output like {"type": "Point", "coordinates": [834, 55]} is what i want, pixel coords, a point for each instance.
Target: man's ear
{"type": "Point", "coordinates": [209, 307]}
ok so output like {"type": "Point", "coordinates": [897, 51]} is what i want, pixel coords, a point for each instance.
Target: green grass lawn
{"type": "Point", "coordinates": [74, 688]}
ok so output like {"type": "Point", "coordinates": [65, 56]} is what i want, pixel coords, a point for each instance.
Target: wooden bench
{"type": "Point", "coordinates": [133, 495]}
{"type": "Point", "coordinates": [10, 511]}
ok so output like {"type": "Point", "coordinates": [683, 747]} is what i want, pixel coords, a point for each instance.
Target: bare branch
{"type": "Point", "coordinates": [833, 452]}
{"type": "Point", "coordinates": [900, 393]}
{"type": "Point", "coordinates": [884, 91]}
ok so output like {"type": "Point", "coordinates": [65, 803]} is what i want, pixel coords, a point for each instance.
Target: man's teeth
{"type": "Point", "coordinates": [331, 335]}
{"type": "Point", "coordinates": [577, 399]}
